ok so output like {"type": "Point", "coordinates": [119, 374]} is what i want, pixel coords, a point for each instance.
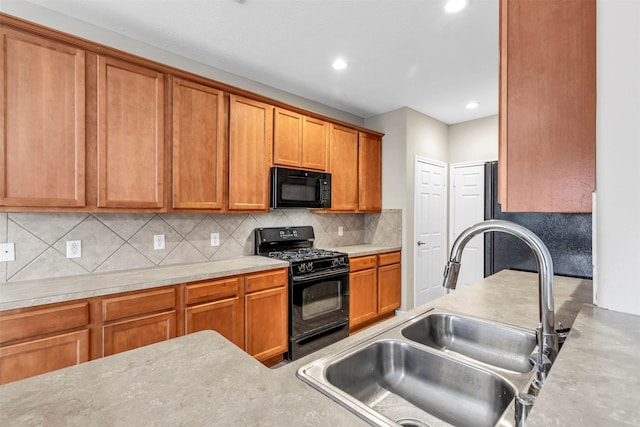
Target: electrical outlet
{"type": "Point", "coordinates": [340, 231]}
{"type": "Point", "coordinates": [158, 241]}
{"type": "Point", "coordinates": [74, 248]}
{"type": "Point", "coordinates": [215, 239]}
{"type": "Point", "coordinates": [7, 252]}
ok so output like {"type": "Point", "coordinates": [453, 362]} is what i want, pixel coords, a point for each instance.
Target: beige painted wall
{"type": "Point", "coordinates": [474, 141]}
{"type": "Point", "coordinates": [408, 134]}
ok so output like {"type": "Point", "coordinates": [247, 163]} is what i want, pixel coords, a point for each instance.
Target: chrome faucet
{"type": "Point", "coordinates": [549, 345]}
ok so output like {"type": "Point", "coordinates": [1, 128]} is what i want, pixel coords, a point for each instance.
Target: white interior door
{"type": "Point", "coordinates": [467, 209]}
{"type": "Point", "coordinates": [430, 240]}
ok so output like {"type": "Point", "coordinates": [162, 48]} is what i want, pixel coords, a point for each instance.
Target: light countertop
{"type": "Point", "coordinates": [363, 250]}
{"type": "Point", "coordinates": [202, 379]}
{"type": "Point", "coordinates": [61, 289]}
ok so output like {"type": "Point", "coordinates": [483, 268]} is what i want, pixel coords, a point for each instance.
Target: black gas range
{"type": "Point", "coordinates": [318, 287]}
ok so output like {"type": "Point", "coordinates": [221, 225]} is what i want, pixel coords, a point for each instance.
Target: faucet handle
{"type": "Point", "coordinates": [541, 362]}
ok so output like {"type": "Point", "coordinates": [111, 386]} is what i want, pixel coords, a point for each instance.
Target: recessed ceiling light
{"type": "Point", "coordinates": [453, 6]}
{"type": "Point", "coordinates": [471, 105]}
{"type": "Point", "coordinates": [339, 64]}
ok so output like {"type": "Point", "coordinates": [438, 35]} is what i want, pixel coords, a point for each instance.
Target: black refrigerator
{"type": "Point", "coordinates": [568, 237]}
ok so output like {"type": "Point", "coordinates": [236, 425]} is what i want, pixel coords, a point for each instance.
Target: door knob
{"type": "Point", "coordinates": [420, 243]}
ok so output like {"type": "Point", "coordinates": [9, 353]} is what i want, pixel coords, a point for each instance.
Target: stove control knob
{"type": "Point", "coordinates": [302, 268]}
{"type": "Point", "coordinates": [309, 266]}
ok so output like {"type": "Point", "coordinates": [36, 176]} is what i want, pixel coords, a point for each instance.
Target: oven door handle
{"type": "Point", "coordinates": [320, 275]}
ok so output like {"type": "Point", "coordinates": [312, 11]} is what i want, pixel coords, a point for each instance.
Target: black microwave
{"type": "Point", "coordinates": [295, 188]}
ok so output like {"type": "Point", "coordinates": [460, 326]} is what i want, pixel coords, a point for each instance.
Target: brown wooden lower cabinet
{"type": "Point", "coordinates": [216, 305]}
{"type": "Point", "coordinates": [137, 319]}
{"type": "Point", "coordinates": [389, 282]}
{"type": "Point", "coordinates": [224, 317]}
{"type": "Point", "coordinates": [363, 298]}
{"type": "Point", "coordinates": [36, 340]}
{"type": "Point", "coordinates": [129, 334]}
{"type": "Point", "coordinates": [374, 284]}
{"type": "Point", "coordinates": [43, 355]}
{"type": "Point", "coordinates": [249, 310]}
{"type": "Point", "coordinates": [266, 315]}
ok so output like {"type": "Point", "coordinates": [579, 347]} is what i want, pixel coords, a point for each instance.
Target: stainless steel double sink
{"type": "Point", "coordinates": [437, 369]}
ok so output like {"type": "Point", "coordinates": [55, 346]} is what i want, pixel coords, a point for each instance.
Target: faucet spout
{"type": "Point", "coordinates": [545, 272]}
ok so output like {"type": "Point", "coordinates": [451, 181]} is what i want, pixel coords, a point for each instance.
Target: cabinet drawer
{"type": "Point", "coordinates": [38, 322]}
{"type": "Point", "coordinates": [390, 258]}
{"type": "Point", "coordinates": [271, 279]}
{"type": "Point", "coordinates": [362, 263]}
{"type": "Point", "coordinates": [212, 290]}
{"type": "Point", "coordinates": [140, 303]}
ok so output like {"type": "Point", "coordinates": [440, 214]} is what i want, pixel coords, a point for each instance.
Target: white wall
{"type": "Point", "coordinates": [474, 141]}
{"type": "Point", "coordinates": [617, 251]}
{"type": "Point", "coordinates": [51, 19]}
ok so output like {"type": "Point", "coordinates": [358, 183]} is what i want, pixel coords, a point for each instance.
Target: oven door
{"type": "Point", "coordinates": [318, 302]}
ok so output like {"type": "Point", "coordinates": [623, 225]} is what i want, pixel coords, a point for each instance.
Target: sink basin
{"type": "Point", "coordinates": [400, 381]}
{"type": "Point", "coordinates": [435, 369]}
{"type": "Point", "coordinates": [497, 345]}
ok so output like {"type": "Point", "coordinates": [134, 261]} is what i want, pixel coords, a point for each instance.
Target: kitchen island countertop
{"type": "Point", "coordinates": [202, 379]}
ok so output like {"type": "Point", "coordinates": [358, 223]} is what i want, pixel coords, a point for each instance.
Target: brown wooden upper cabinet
{"type": "Point", "coordinates": [84, 127]}
{"type": "Point", "coordinates": [42, 126]}
{"type": "Point", "coordinates": [369, 173]}
{"type": "Point", "coordinates": [300, 141]}
{"type": "Point", "coordinates": [343, 159]}
{"type": "Point", "coordinates": [130, 135]}
{"type": "Point", "coordinates": [356, 170]}
{"type": "Point", "coordinates": [547, 105]}
{"type": "Point", "coordinates": [250, 145]}
{"type": "Point", "coordinates": [199, 146]}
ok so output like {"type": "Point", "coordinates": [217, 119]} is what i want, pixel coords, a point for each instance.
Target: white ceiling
{"type": "Point", "coordinates": [401, 53]}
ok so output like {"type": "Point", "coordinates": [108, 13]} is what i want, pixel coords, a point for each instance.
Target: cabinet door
{"type": "Point", "coordinates": [250, 144]}
{"type": "Point", "coordinates": [42, 122]}
{"type": "Point", "coordinates": [266, 323]}
{"type": "Point", "coordinates": [224, 317]}
{"type": "Point", "coordinates": [315, 143]}
{"type": "Point", "coordinates": [369, 173]}
{"type": "Point", "coordinates": [130, 135]}
{"type": "Point", "coordinates": [138, 332]}
{"type": "Point", "coordinates": [547, 105]}
{"type": "Point", "coordinates": [37, 357]}
{"type": "Point", "coordinates": [287, 138]}
{"type": "Point", "coordinates": [388, 288]}
{"type": "Point", "coordinates": [363, 296]}
{"type": "Point", "coordinates": [343, 154]}
{"type": "Point", "coordinates": [199, 146]}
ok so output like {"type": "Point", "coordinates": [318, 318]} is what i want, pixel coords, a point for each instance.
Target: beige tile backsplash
{"type": "Point", "coordinates": [113, 242]}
